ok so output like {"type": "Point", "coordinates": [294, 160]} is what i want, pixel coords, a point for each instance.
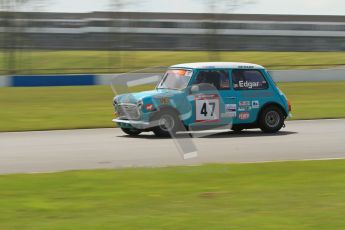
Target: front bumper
{"type": "Point", "coordinates": [133, 124]}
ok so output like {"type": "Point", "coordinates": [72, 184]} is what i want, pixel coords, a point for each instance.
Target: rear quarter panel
{"type": "Point", "coordinates": [258, 99]}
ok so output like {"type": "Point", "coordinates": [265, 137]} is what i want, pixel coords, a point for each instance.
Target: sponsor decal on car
{"type": "Point", "coordinates": [164, 100]}
{"type": "Point", "coordinates": [246, 67]}
{"type": "Point", "coordinates": [244, 108]}
{"type": "Point", "coordinates": [248, 84]}
{"type": "Point", "coordinates": [149, 107]}
{"type": "Point", "coordinates": [230, 107]}
{"type": "Point", "coordinates": [230, 110]}
{"type": "Point", "coordinates": [244, 103]}
{"type": "Point", "coordinates": [255, 104]}
{"type": "Point", "coordinates": [244, 116]}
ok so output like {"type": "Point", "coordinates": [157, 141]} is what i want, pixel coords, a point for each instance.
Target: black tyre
{"type": "Point", "coordinates": [271, 119]}
{"type": "Point", "coordinates": [131, 132]}
{"type": "Point", "coordinates": [168, 124]}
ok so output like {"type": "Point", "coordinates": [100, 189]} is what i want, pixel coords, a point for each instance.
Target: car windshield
{"type": "Point", "coordinates": [175, 79]}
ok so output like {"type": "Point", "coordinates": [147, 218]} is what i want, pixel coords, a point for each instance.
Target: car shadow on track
{"type": "Point", "coordinates": [210, 135]}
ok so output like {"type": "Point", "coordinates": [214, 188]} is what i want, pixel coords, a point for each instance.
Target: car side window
{"type": "Point", "coordinates": [219, 79]}
{"type": "Point", "coordinates": [248, 80]}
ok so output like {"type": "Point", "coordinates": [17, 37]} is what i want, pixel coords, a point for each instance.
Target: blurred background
{"type": "Point", "coordinates": [73, 37]}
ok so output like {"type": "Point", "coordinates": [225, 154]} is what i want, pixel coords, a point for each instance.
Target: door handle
{"type": "Point", "coordinates": [231, 97]}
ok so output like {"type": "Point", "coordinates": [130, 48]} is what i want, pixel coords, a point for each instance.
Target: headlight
{"type": "Point", "coordinates": [139, 103]}
{"type": "Point", "coordinates": [115, 101]}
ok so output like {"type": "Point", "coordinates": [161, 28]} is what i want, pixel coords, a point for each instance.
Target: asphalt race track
{"type": "Point", "coordinates": [50, 151]}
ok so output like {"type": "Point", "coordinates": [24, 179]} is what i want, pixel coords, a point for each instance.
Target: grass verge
{"type": "Point", "coordinates": [48, 108]}
{"type": "Point", "coordinates": [122, 61]}
{"type": "Point", "coordinates": [290, 195]}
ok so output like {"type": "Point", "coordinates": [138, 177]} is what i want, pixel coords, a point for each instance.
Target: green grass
{"type": "Point", "coordinates": [47, 108]}
{"type": "Point", "coordinates": [285, 196]}
{"type": "Point", "coordinates": [74, 61]}
{"type": "Point", "coordinates": [316, 99]}
{"type": "Point", "coordinates": [55, 108]}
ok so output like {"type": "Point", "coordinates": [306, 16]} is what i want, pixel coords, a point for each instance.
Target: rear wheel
{"type": "Point", "coordinates": [168, 124]}
{"type": "Point", "coordinates": [271, 119]}
{"type": "Point", "coordinates": [131, 132]}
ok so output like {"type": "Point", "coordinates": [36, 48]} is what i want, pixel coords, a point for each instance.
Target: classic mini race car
{"type": "Point", "coordinates": [205, 95]}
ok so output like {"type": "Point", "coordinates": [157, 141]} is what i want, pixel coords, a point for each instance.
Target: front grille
{"type": "Point", "coordinates": [127, 111]}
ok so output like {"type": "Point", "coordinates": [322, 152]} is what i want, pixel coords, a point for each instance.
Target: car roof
{"type": "Point", "coordinates": [218, 65]}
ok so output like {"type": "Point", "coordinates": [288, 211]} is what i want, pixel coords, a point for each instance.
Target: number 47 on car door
{"type": "Point", "coordinates": [207, 108]}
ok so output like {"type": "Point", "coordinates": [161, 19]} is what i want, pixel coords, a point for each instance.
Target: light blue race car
{"type": "Point", "coordinates": [196, 96]}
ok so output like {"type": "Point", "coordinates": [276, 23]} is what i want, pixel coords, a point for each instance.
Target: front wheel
{"type": "Point", "coordinates": [271, 119]}
{"type": "Point", "coordinates": [131, 132]}
{"type": "Point", "coordinates": [168, 124]}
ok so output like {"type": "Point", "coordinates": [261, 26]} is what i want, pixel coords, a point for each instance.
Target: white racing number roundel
{"type": "Point", "coordinates": [207, 108]}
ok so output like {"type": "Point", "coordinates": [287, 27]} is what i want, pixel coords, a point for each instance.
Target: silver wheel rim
{"type": "Point", "coordinates": [272, 119]}
{"type": "Point", "coordinates": [166, 122]}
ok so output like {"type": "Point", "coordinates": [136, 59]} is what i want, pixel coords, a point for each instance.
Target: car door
{"type": "Point", "coordinates": [214, 101]}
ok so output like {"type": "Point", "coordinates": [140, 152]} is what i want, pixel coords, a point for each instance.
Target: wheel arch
{"type": "Point", "coordinates": [269, 104]}
{"type": "Point", "coordinates": [164, 108]}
